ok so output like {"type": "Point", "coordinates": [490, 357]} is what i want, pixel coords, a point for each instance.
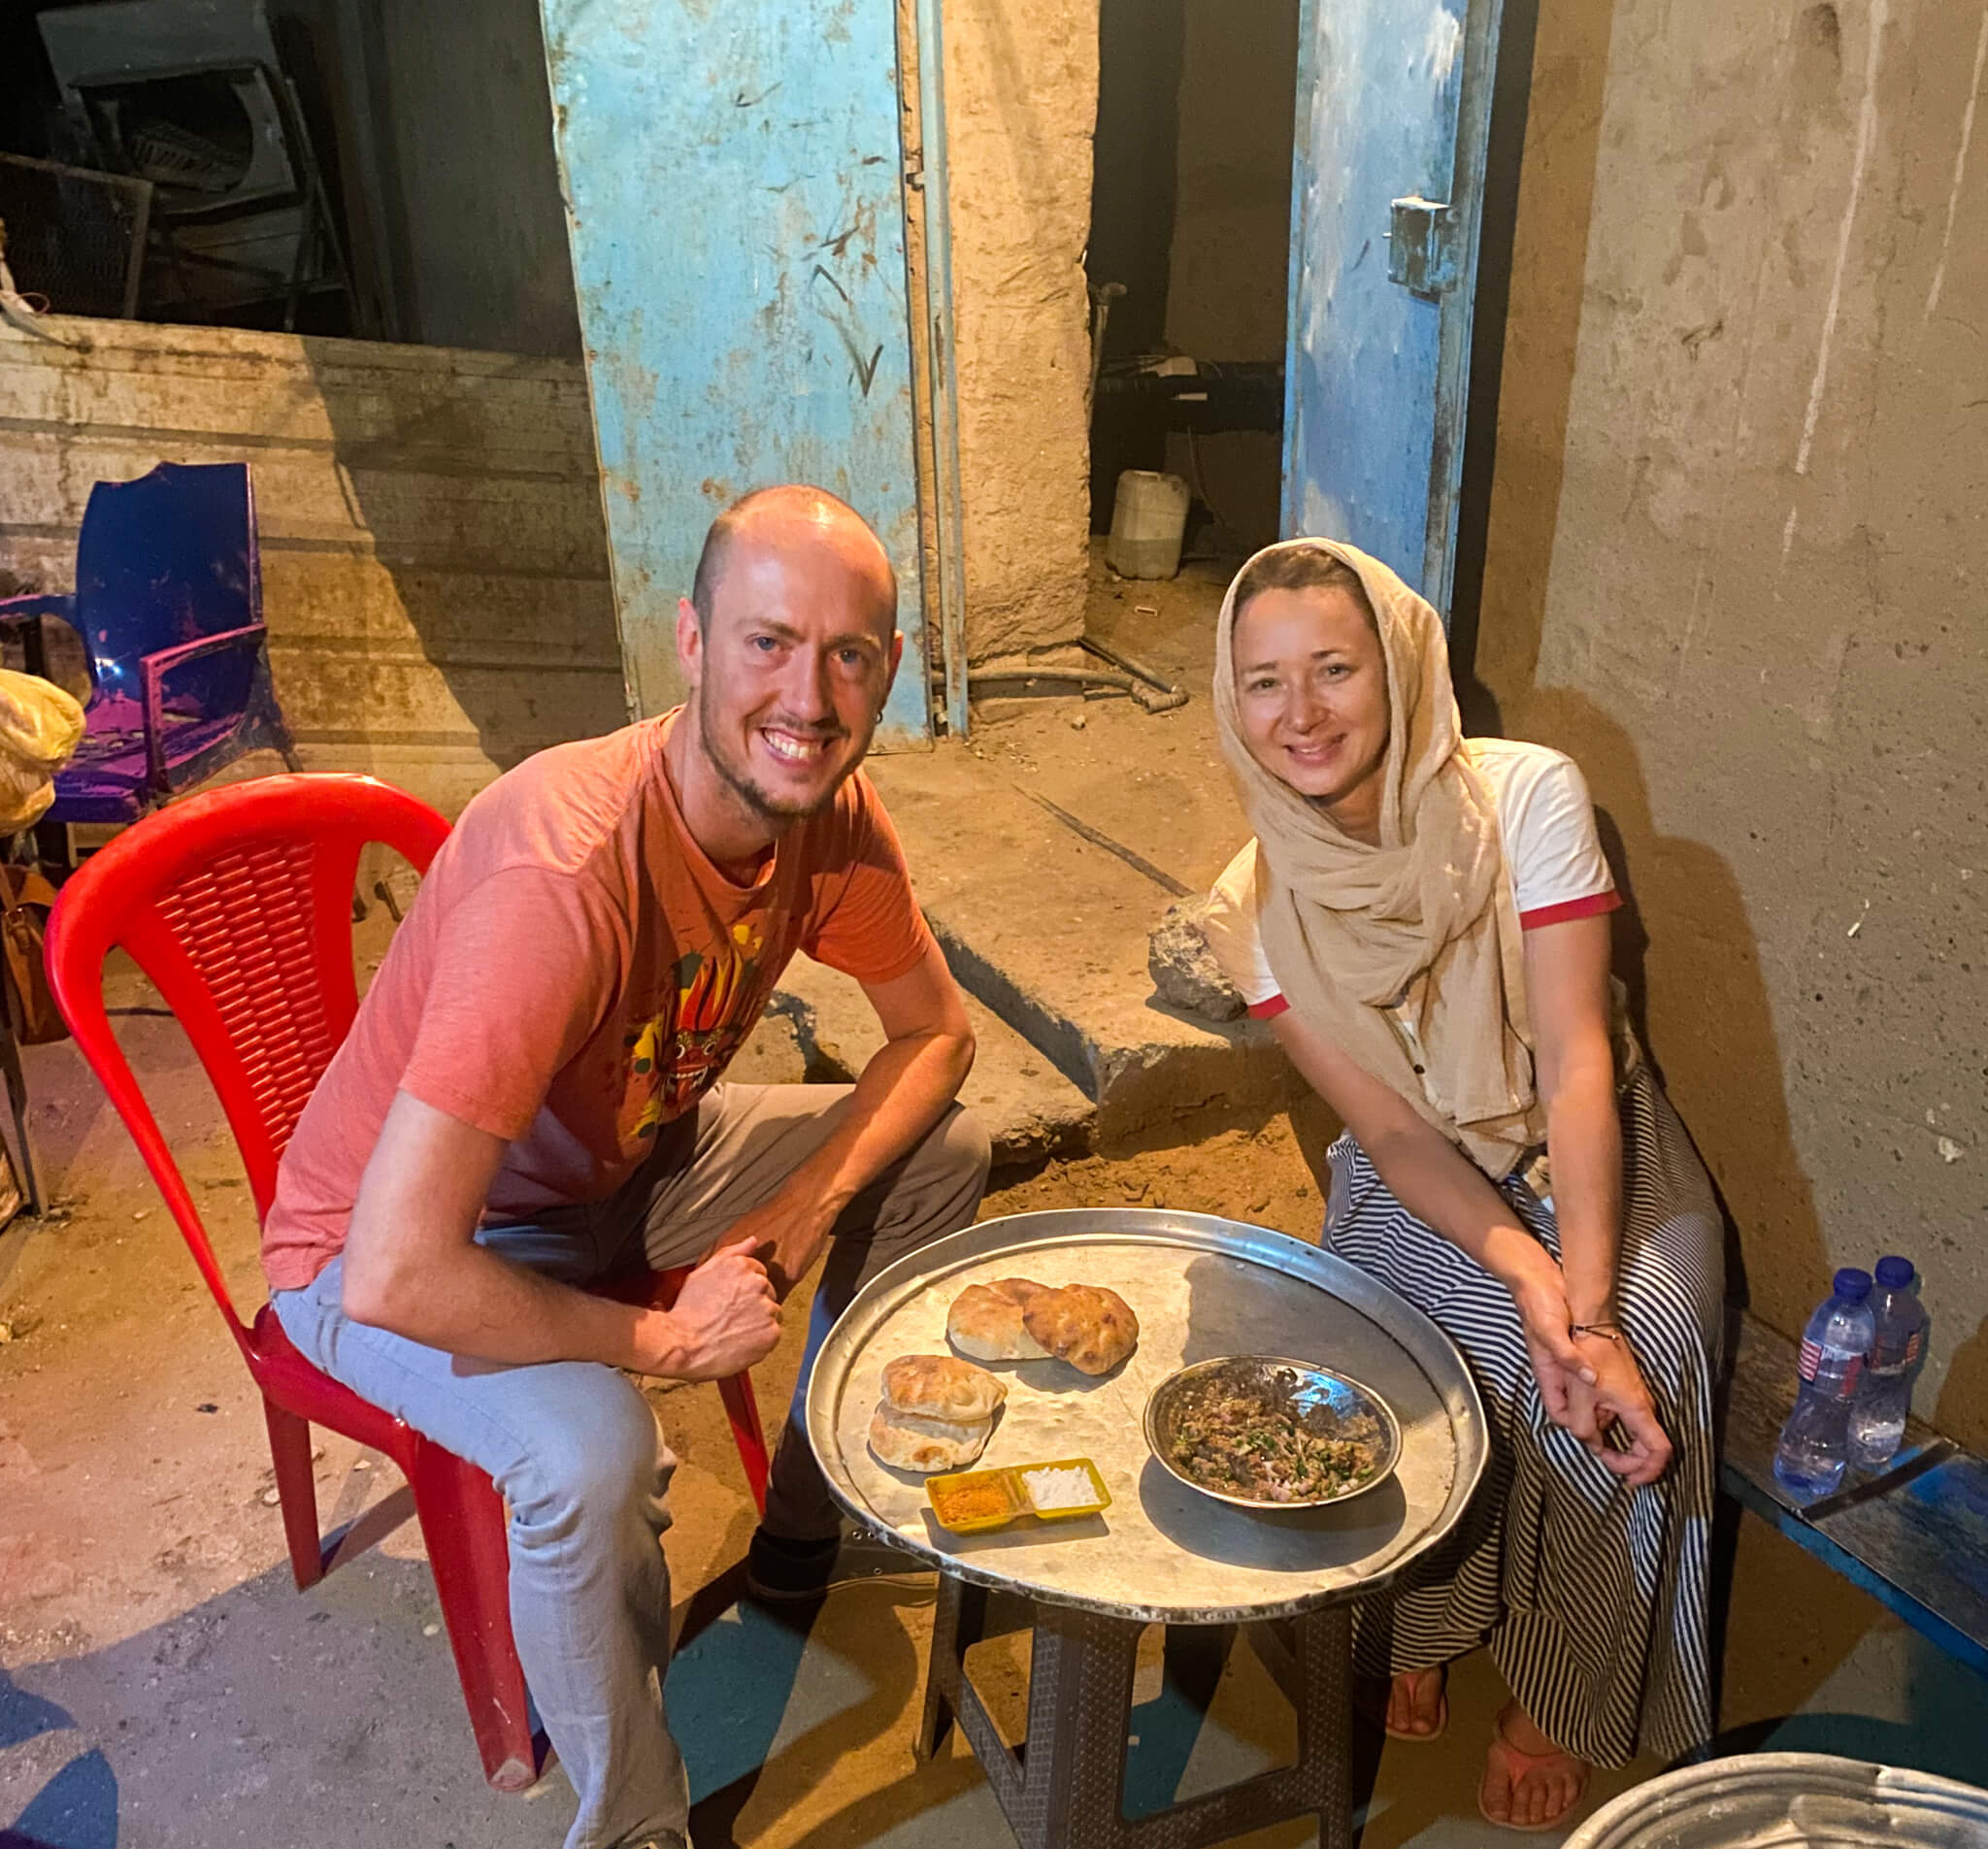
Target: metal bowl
{"type": "Point", "coordinates": [1322, 1400]}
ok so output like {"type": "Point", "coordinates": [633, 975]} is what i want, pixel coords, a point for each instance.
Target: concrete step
{"type": "Point", "coordinates": [819, 1027]}
{"type": "Point", "coordinates": [1046, 925]}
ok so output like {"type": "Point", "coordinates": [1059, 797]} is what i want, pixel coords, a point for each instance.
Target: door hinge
{"type": "Point", "coordinates": [1421, 245]}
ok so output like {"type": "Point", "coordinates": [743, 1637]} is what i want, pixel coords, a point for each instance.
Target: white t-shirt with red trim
{"type": "Point", "coordinates": [1552, 856]}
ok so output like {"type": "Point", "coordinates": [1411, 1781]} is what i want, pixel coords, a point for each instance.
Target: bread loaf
{"type": "Point", "coordinates": [907, 1442]}
{"type": "Point", "coordinates": [1086, 1324]}
{"type": "Point", "coordinates": [985, 1321]}
{"type": "Point", "coordinates": [939, 1387]}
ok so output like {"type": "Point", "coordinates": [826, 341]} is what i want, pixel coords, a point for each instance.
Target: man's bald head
{"type": "Point", "coordinates": [793, 515]}
{"type": "Point", "coordinates": [789, 646]}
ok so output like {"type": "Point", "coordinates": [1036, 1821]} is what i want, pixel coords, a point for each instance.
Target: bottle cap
{"type": "Point", "coordinates": [1853, 1285]}
{"type": "Point", "coordinates": [1895, 1274]}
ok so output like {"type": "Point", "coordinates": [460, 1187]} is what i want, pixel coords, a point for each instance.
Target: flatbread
{"type": "Point", "coordinates": [907, 1442]}
{"type": "Point", "coordinates": [941, 1387]}
{"type": "Point", "coordinates": [1086, 1324]}
{"type": "Point", "coordinates": [985, 1321]}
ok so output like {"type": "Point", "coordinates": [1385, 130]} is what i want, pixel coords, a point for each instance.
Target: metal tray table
{"type": "Point", "coordinates": [1200, 1287]}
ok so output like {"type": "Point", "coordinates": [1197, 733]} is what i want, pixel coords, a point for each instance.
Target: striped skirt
{"type": "Point", "coordinates": [1590, 1595]}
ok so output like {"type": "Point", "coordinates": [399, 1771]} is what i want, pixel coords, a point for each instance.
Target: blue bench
{"type": "Point", "coordinates": [1914, 1537]}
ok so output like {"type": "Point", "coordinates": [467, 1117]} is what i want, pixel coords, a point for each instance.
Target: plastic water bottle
{"type": "Point", "coordinates": [1884, 1396]}
{"type": "Point", "coordinates": [1814, 1442]}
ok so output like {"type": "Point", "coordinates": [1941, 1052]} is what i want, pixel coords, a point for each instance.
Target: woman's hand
{"type": "Point", "coordinates": [1615, 1395]}
{"type": "Point", "coordinates": [1559, 1364]}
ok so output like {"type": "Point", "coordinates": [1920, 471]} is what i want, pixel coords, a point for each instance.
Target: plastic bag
{"type": "Point", "coordinates": [40, 728]}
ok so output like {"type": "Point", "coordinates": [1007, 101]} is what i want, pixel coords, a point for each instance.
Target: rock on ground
{"type": "Point", "coordinates": [1183, 967]}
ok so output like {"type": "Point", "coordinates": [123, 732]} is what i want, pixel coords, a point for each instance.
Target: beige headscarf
{"type": "Point", "coordinates": [1419, 936]}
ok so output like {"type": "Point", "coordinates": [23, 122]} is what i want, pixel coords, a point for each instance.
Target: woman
{"type": "Point", "coordinates": [1423, 920]}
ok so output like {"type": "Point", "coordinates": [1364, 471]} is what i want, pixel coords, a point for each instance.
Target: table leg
{"type": "Point", "coordinates": [1079, 1707]}
{"type": "Point", "coordinates": [958, 1621]}
{"type": "Point", "coordinates": [1325, 1717]}
{"type": "Point", "coordinates": [1066, 1789]}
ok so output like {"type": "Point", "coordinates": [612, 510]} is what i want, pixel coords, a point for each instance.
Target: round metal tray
{"type": "Point", "coordinates": [1790, 1800]}
{"type": "Point", "coordinates": [1200, 1287]}
{"type": "Point", "coordinates": [1312, 1389]}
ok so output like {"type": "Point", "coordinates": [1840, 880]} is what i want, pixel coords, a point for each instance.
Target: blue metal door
{"type": "Point", "coordinates": [734, 182]}
{"type": "Point", "coordinates": [1394, 109]}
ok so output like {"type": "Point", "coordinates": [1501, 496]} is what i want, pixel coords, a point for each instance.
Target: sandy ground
{"type": "Point", "coordinates": [162, 1684]}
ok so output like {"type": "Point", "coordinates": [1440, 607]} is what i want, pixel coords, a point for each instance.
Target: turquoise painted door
{"type": "Point", "coordinates": [1394, 109]}
{"type": "Point", "coordinates": [733, 185]}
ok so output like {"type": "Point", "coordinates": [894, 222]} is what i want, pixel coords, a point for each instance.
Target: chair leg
{"type": "Point", "coordinates": [289, 1450]}
{"type": "Point", "coordinates": [742, 1410]}
{"type": "Point", "coordinates": [52, 850]}
{"type": "Point", "coordinates": [462, 1521]}
{"type": "Point", "coordinates": [16, 1099]}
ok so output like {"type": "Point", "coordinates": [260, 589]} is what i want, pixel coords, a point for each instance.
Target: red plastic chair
{"type": "Point", "coordinates": [238, 906]}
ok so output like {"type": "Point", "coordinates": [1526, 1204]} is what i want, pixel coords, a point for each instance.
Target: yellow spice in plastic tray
{"type": "Point", "coordinates": [971, 1501]}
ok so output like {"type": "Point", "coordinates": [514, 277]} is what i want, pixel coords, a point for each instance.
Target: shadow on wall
{"type": "Point", "coordinates": [472, 622]}
{"type": "Point", "coordinates": [1965, 1390]}
{"type": "Point", "coordinates": [1684, 913]}
{"type": "Point", "coordinates": [1685, 945]}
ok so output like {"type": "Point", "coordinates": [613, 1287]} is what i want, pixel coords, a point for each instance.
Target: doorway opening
{"type": "Point", "coordinates": [300, 166]}
{"type": "Point", "coordinates": [325, 239]}
{"type": "Point", "coordinates": [1189, 257]}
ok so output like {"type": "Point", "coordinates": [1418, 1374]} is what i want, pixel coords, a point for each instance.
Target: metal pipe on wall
{"type": "Point", "coordinates": [947, 492]}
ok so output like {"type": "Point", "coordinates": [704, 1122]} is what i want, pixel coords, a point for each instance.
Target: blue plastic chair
{"type": "Point", "coordinates": [168, 602]}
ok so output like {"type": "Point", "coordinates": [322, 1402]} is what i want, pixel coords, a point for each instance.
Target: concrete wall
{"type": "Point", "coordinates": [1230, 257]}
{"type": "Point", "coordinates": [434, 568]}
{"type": "Point", "coordinates": [1736, 565]}
{"type": "Point", "coordinates": [1022, 102]}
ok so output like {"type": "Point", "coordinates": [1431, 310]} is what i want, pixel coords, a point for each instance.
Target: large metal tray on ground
{"type": "Point", "coordinates": [1200, 1287]}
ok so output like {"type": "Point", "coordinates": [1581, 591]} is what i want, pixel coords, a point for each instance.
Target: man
{"type": "Point", "coordinates": [528, 1101]}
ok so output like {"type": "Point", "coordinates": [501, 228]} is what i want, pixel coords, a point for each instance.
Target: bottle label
{"type": "Point", "coordinates": [1811, 1361]}
{"type": "Point", "coordinates": [1912, 1348]}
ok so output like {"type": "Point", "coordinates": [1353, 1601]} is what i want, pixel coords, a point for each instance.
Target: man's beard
{"type": "Point", "coordinates": [768, 807]}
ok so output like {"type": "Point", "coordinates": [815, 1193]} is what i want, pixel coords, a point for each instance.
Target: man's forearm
{"type": "Point", "coordinates": [899, 1095]}
{"type": "Point", "coordinates": [470, 1301]}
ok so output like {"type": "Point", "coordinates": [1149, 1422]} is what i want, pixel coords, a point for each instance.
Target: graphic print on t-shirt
{"type": "Point", "coordinates": [676, 1056]}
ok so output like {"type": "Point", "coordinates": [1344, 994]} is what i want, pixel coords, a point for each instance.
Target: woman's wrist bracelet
{"type": "Point", "coordinates": [1608, 1331]}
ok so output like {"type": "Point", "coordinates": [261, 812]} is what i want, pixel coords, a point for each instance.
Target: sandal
{"type": "Point", "coordinates": [1518, 1763]}
{"type": "Point", "coordinates": [1441, 1725]}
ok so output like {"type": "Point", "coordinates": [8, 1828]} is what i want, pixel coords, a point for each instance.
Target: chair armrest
{"type": "Point", "coordinates": [18, 610]}
{"type": "Point", "coordinates": [25, 613]}
{"type": "Point", "coordinates": [152, 669]}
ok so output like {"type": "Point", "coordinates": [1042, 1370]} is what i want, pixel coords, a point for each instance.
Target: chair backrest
{"type": "Point", "coordinates": [238, 906]}
{"type": "Point", "coordinates": [169, 558]}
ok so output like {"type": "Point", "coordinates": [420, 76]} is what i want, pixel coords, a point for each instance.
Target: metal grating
{"type": "Point", "coordinates": [74, 236]}
{"type": "Point", "coordinates": [245, 921]}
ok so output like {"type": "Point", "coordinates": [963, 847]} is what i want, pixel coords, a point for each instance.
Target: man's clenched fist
{"type": "Point", "coordinates": [724, 1318]}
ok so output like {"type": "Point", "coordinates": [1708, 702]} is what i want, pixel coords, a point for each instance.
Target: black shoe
{"type": "Point", "coordinates": [782, 1571]}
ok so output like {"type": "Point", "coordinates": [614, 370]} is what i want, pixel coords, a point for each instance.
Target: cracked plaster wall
{"type": "Point", "coordinates": [1736, 562]}
{"type": "Point", "coordinates": [1021, 80]}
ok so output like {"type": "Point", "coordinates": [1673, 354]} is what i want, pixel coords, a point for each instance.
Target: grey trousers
{"type": "Point", "coordinates": [576, 1449]}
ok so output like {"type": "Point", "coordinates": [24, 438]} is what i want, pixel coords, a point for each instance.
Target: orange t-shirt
{"type": "Point", "coordinates": [575, 973]}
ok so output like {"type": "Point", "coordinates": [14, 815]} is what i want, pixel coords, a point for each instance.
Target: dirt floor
{"type": "Point", "coordinates": [162, 1684]}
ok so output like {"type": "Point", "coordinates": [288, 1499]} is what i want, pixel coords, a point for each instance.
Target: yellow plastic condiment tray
{"type": "Point", "coordinates": [940, 1490]}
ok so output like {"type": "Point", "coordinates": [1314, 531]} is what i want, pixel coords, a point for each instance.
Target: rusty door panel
{"type": "Point", "coordinates": [1394, 109]}
{"type": "Point", "coordinates": [733, 185]}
